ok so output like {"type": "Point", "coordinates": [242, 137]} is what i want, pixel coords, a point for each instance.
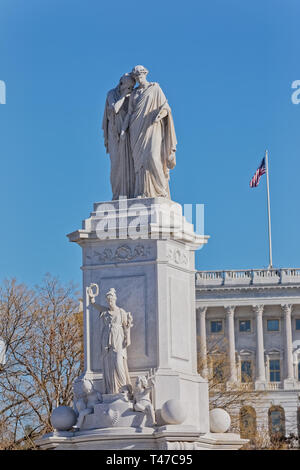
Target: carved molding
{"type": "Point", "coordinates": [178, 445]}
{"type": "Point", "coordinates": [120, 254]}
{"type": "Point", "coordinates": [177, 256]}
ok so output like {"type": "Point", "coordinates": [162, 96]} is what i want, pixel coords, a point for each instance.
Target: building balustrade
{"type": "Point", "coordinates": [274, 385]}
{"type": "Point", "coordinates": [246, 386]}
{"type": "Point", "coordinates": [248, 277]}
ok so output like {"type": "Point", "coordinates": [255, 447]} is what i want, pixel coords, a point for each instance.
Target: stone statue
{"type": "Point", "coordinates": [114, 340]}
{"type": "Point", "coordinates": [85, 398]}
{"type": "Point", "coordinates": [2, 352]}
{"type": "Point", "coordinates": [152, 136]}
{"type": "Point", "coordinates": [141, 397]}
{"type": "Point", "coordinates": [116, 107]}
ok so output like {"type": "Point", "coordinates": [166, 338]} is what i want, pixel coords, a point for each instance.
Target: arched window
{"type": "Point", "coordinates": [276, 422]}
{"type": "Point", "coordinates": [247, 422]}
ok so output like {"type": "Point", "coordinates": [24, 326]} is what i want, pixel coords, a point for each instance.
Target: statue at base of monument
{"type": "Point", "coordinates": [115, 325]}
{"type": "Point", "coordinates": [85, 398]}
{"type": "Point", "coordinates": [141, 397]}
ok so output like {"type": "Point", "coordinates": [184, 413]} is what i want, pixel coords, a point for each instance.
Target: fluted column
{"type": "Point", "coordinates": [201, 319]}
{"type": "Point", "coordinates": [231, 342]}
{"type": "Point", "coordinates": [260, 362]}
{"type": "Point", "coordinates": [287, 310]}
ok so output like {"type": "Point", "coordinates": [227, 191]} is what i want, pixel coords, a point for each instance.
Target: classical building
{"type": "Point", "coordinates": [256, 315]}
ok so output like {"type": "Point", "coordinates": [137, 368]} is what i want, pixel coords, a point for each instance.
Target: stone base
{"type": "Point", "coordinates": [162, 438]}
{"type": "Point", "coordinates": [115, 411]}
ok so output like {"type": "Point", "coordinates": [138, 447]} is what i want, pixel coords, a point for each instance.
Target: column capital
{"type": "Point", "coordinates": [229, 309]}
{"type": "Point", "coordinates": [287, 308]}
{"type": "Point", "coordinates": [258, 309]}
{"type": "Point", "coordinates": [201, 310]}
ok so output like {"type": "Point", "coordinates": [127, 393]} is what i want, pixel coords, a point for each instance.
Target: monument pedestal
{"type": "Point", "coordinates": [154, 278]}
{"type": "Point", "coordinates": [144, 249]}
{"type": "Point", "coordinates": [179, 438]}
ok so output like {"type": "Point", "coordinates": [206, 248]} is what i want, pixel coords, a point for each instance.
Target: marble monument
{"type": "Point", "coordinates": [140, 388]}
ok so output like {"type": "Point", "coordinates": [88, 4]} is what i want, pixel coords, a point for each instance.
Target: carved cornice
{"type": "Point", "coordinates": [246, 288]}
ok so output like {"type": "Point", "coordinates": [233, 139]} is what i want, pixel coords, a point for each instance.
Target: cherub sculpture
{"type": "Point", "coordinates": [141, 397]}
{"type": "Point", "coordinates": [85, 398]}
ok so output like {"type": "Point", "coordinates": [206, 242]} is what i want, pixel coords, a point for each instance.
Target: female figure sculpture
{"type": "Point", "coordinates": [152, 136]}
{"type": "Point", "coordinates": [116, 107]}
{"type": "Point", "coordinates": [114, 340]}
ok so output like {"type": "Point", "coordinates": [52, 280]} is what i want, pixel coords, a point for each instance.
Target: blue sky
{"type": "Point", "coordinates": [226, 68]}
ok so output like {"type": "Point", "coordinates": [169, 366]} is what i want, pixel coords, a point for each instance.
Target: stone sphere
{"type": "Point", "coordinates": [219, 420]}
{"type": "Point", "coordinates": [173, 412]}
{"type": "Point", "coordinates": [63, 418]}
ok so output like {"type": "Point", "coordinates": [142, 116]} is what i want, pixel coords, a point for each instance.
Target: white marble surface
{"type": "Point", "coordinates": [140, 137]}
{"type": "Point", "coordinates": [154, 280]}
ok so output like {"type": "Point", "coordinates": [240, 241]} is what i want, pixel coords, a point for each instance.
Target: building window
{"type": "Point", "coordinates": [274, 370]}
{"type": "Point", "coordinates": [246, 371]}
{"type": "Point", "coordinates": [273, 325]}
{"type": "Point", "coordinates": [247, 422]}
{"type": "Point", "coordinates": [276, 422]}
{"type": "Point", "coordinates": [216, 326]}
{"type": "Point", "coordinates": [297, 323]}
{"type": "Point", "coordinates": [245, 326]}
{"type": "Point", "coordinates": [299, 371]}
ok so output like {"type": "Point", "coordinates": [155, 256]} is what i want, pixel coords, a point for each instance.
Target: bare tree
{"type": "Point", "coordinates": [42, 332]}
{"type": "Point", "coordinates": [223, 393]}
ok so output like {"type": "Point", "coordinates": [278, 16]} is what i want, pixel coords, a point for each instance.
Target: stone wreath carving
{"type": "Point", "coordinates": [122, 253]}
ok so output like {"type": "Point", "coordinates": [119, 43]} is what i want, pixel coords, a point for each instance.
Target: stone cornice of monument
{"type": "Point", "coordinates": [157, 218]}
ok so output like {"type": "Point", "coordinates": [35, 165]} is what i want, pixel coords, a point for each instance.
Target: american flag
{"type": "Point", "coordinates": [259, 172]}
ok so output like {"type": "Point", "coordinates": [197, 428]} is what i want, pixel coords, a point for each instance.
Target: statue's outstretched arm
{"type": "Point", "coordinates": [92, 294]}
{"type": "Point", "coordinates": [100, 308]}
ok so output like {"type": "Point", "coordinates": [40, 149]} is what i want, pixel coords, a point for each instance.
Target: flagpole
{"type": "Point", "coordinates": [269, 212]}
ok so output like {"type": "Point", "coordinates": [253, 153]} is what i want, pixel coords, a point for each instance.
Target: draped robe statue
{"type": "Point", "coordinates": [152, 137]}
{"type": "Point", "coordinates": [114, 340]}
{"type": "Point", "coordinates": [116, 107]}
